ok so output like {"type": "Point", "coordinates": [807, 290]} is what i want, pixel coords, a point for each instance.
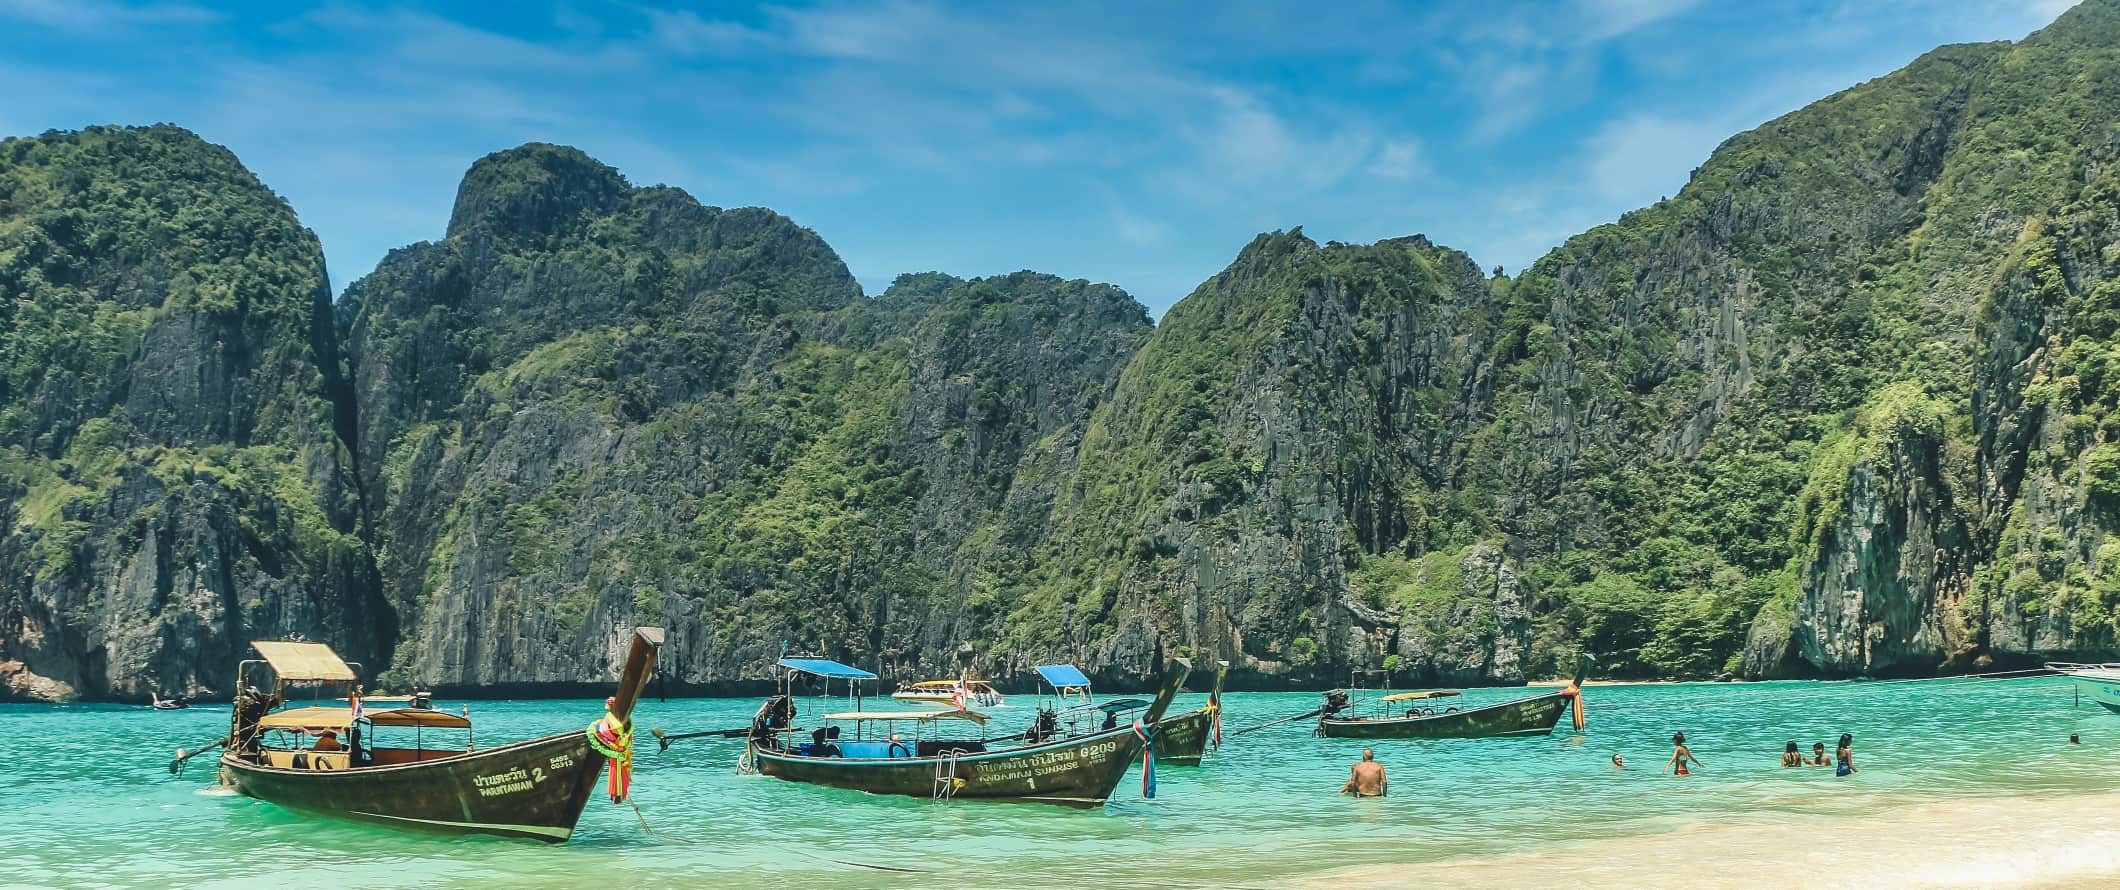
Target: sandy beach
{"type": "Point", "coordinates": [2040, 842]}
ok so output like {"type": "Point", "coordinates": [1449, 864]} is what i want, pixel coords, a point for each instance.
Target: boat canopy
{"type": "Point", "coordinates": [1063, 676]}
{"type": "Point", "coordinates": [340, 718]}
{"type": "Point", "coordinates": [304, 661]}
{"type": "Point", "coordinates": [825, 667]}
{"type": "Point", "coordinates": [1409, 696]}
{"type": "Point", "coordinates": [1123, 704]}
{"type": "Point", "coordinates": [923, 716]}
{"type": "Point", "coordinates": [948, 685]}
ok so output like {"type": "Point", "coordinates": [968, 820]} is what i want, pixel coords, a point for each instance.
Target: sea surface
{"type": "Point", "coordinates": [1961, 783]}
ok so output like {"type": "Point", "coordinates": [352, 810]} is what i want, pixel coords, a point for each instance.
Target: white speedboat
{"type": "Point", "coordinates": [2103, 680]}
{"type": "Point", "coordinates": [959, 694]}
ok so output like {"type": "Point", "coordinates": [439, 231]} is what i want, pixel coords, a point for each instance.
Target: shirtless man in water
{"type": "Point", "coordinates": [1367, 778]}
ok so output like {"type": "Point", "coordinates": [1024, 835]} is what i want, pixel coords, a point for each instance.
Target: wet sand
{"type": "Point", "coordinates": [2039, 842]}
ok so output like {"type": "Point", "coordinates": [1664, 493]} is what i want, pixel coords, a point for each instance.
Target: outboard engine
{"type": "Point", "coordinates": [1046, 726]}
{"type": "Point", "coordinates": [1335, 702]}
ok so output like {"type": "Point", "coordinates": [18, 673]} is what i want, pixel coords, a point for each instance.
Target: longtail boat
{"type": "Point", "coordinates": [533, 789]}
{"type": "Point", "coordinates": [1183, 740]}
{"type": "Point", "coordinates": [1422, 719]}
{"type": "Point", "coordinates": [1049, 765]}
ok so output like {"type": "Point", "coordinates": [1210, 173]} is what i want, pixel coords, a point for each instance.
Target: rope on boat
{"type": "Point", "coordinates": [650, 829]}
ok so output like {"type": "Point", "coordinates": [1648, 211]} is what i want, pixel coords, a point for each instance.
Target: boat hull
{"type": "Point", "coordinates": [1078, 772]}
{"type": "Point", "coordinates": [1182, 740]}
{"type": "Point", "coordinates": [2104, 685]}
{"type": "Point", "coordinates": [534, 789]}
{"type": "Point", "coordinates": [1527, 716]}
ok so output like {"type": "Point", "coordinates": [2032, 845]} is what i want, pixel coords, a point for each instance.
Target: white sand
{"type": "Point", "coordinates": [2002, 842]}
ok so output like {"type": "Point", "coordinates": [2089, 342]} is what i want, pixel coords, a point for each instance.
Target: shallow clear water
{"type": "Point", "coordinates": [89, 800]}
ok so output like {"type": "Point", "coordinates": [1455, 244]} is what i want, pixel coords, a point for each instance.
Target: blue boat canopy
{"type": "Point", "coordinates": [825, 667]}
{"type": "Point", "coordinates": [1062, 676]}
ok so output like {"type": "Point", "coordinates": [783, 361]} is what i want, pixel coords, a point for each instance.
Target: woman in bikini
{"type": "Point", "coordinates": [1792, 755]}
{"type": "Point", "coordinates": [1845, 757]}
{"type": "Point", "coordinates": [1680, 754]}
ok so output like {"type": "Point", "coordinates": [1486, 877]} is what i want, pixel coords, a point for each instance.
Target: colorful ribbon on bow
{"type": "Point", "coordinates": [1575, 692]}
{"type": "Point", "coordinates": [1148, 759]}
{"type": "Point", "coordinates": [1214, 710]}
{"type": "Point", "coordinates": [613, 738]}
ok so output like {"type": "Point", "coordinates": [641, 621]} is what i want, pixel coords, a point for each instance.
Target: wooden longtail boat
{"type": "Point", "coordinates": [1079, 770]}
{"type": "Point", "coordinates": [1184, 739]}
{"type": "Point", "coordinates": [1525, 716]}
{"type": "Point", "coordinates": [533, 789]}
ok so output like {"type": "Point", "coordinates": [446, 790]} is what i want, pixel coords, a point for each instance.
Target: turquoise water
{"type": "Point", "coordinates": [90, 802]}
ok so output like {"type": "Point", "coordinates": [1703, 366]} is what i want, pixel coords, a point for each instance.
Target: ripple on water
{"type": "Point", "coordinates": [1262, 812]}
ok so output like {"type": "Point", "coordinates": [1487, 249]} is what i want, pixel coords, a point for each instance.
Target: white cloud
{"type": "Point", "coordinates": [95, 15]}
{"type": "Point", "coordinates": [1643, 157]}
{"type": "Point", "coordinates": [1138, 230]}
{"type": "Point", "coordinates": [1606, 19]}
{"type": "Point", "coordinates": [1400, 160]}
{"type": "Point", "coordinates": [685, 32]}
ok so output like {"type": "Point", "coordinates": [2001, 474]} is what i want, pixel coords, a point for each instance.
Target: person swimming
{"type": "Point", "coordinates": [1680, 754]}
{"type": "Point", "coordinates": [1619, 762]}
{"type": "Point", "coordinates": [1367, 778]}
{"type": "Point", "coordinates": [1792, 755]}
{"type": "Point", "coordinates": [1818, 755]}
{"type": "Point", "coordinates": [1845, 757]}
{"type": "Point", "coordinates": [2073, 740]}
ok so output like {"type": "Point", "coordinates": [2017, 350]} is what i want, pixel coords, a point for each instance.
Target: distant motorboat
{"type": "Point", "coordinates": [959, 694]}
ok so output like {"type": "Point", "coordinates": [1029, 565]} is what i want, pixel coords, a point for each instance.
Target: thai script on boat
{"type": "Point", "coordinates": [517, 779]}
{"type": "Point", "coordinates": [1046, 763]}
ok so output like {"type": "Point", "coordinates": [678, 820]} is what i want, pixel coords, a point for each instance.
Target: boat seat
{"type": "Point", "coordinates": [327, 761]}
{"type": "Point", "coordinates": [870, 750]}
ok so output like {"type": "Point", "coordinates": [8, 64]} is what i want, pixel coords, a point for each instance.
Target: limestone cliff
{"type": "Point", "coordinates": [171, 482]}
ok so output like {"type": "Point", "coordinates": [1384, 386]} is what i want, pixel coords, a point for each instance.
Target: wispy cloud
{"type": "Point", "coordinates": [93, 15]}
{"type": "Point", "coordinates": [1132, 143]}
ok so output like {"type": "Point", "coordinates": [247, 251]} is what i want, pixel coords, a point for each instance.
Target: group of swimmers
{"type": "Point", "coordinates": [1843, 762]}
{"type": "Point", "coordinates": [1367, 778]}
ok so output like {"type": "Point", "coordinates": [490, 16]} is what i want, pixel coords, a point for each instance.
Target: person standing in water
{"type": "Point", "coordinates": [1367, 778]}
{"type": "Point", "coordinates": [1792, 755]}
{"type": "Point", "coordinates": [1818, 755]}
{"type": "Point", "coordinates": [1844, 759]}
{"type": "Point", "coordinates": [1680, 754]}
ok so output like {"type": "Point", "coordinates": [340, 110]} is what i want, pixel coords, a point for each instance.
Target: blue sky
{"type": "Point", "coordinates": [1136, 143]}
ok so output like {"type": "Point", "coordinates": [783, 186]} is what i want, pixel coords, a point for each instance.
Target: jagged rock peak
{"type": "Point", "coordinates": [534, 189]}
{"type": "Point", "coordinates": [2093, 23]}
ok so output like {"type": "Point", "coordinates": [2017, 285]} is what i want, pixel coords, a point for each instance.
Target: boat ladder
{"type": "Point", "coordinates": [946, 781]}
